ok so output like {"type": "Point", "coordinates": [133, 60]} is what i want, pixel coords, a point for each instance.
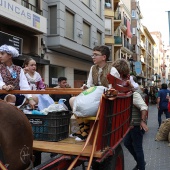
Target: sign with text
{"type": "Point", "coordinates": [18, 13]}
{"type": "Point", "coordinates": [11, 40]}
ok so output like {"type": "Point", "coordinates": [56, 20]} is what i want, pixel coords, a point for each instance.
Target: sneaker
{"type": "Point", "coordinates": [81, 138]}
{"type": "Point", "coordinates": [74, 135]}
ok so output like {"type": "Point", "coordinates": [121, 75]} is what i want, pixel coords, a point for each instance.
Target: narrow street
{"type": "Point", "coordinates": [157, 153]}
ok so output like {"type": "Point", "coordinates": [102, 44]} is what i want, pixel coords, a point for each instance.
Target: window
{"type": "Point", "coordinates": [69, 25]}
{"type": "Point", "coordinates": [53, 19]}
{"type": "Point", "coordinates": [99, 38]}
{"type": "Point", "coordinates": [133, 31]}
{"type": "Point", "coordinates": [108, 4]}
{"type": "Point", "coordinates": [108, 26]}
{"type": "Point", "coordinates": [133, 13]}
{"type": "Point", "coordinates": [33, 2]}
{"type": "Point", "coordinates": [98, 7]}
{"type": "Point", "coordinates": [54, 73]}
{"type": "Point", "coordinates": [33, 5]}
{"type": "Point", "coordinates": [87, 2]}
{"type": "Point", "coordinates": [86, 34]}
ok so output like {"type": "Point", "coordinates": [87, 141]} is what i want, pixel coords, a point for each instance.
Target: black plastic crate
{"type": "Point", "coordinates": [51, 127]}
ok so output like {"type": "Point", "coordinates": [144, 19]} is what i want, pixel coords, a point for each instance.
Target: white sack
{"type": "Point", "coordinates": [87, 102]}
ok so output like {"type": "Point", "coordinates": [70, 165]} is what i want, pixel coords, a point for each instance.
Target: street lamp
{"type": "Point", "coordinates": [156, 75]}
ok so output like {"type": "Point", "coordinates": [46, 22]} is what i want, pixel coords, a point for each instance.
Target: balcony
{"type": "Point", "coordinates": [142, 45]}
{"type": "Point", "coordinates": [128, 48]}
{"type": "Point", "coordinates": [123, 25]}
{"type": "Point", "coordinates": [116, 3]}
{"type": "Point", "coordinates": [117, 43]}
{"type": "Point", "coordinates": [117, 20]}
{"type": "Point", "coordinates": [26, 4]}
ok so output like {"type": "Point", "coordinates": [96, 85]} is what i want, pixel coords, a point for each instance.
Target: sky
{"type": "Point", "coordinates": [155, 17]}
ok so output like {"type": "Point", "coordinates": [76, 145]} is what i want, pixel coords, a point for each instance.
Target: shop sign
{"type": "Point", "coordinates": [12, 40]}
{"type": "Point", "coordinates": [18, 13]}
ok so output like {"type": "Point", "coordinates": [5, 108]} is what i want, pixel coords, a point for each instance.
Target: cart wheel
{"type": "Point", "coordinates": [113, 162]}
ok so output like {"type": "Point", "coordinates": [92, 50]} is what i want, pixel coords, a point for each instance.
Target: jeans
{"type": "Point", "coordinates": [160, 112]}
{"type": "Point", "coordinates": [133, 142]}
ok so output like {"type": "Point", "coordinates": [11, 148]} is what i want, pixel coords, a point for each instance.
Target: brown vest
{"type": "Point", "coordinates": [103, 76]}
{"type": "Point", "coordinates": [7, 77]}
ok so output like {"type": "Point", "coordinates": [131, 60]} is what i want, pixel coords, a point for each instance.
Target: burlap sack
{"type": "Point", "coordinates": [163, 132]}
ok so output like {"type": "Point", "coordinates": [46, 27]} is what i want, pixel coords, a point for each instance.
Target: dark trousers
{"type": "Point", "coordinates": [133, 142]}
{"type": "Point", "coordinates": [160, 112]}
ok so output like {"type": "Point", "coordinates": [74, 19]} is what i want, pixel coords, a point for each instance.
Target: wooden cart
{"type": "Point", "coordinates": [102, 149]}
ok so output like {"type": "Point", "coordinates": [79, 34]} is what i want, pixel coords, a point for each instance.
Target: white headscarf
{"type": "Point", "coordinates": [10, 50]}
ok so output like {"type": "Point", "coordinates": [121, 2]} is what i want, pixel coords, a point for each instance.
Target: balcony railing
{"type": "Point", "coordinates": [118, 40]}
{"type": "Point", "coordinates": [125, 21]}
{"type": "Point", "coordinates": [31, 7]}
{"type": "Point", "coordinates": [117, 16]}
{"type": "Point", "coordinates": [128, 45]}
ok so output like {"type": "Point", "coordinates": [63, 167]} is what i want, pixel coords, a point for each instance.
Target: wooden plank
{"type": "Point", "coordinates": [74, 91]}
{"type": "Point", "coordinates": [68, 146]}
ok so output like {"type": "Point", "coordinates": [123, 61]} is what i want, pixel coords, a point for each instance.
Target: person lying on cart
{"type": "Point", "coordinates": [98, 77]}
{"type": "Point", "coordinates": [12, 77]}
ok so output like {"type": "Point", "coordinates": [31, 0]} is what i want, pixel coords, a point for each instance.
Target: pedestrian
{"type": "Point", "coordinates": [162, 102]}
{"type": "Point", "coordinates": [133, 141]}
{"type": "Point", "coordinates": [62, 83]}
{"type": "Point", "coordinates": [98, 77]}
{"type": "Point", "coordinates": [36, 83]}
{"type": "Point", "coordinates": [12, 77]}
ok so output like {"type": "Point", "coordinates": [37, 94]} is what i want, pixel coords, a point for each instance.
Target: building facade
{"type": "Point", "coordinates": [59, 35]}
{"type": "Point", "coordinates": [112, 23]}
{"type": "Point", "coordinates": [22, 25]}
{"type": "Point", "coordinates": [159, 62]}
{"type": "Point", "coordinates": [74, 29]}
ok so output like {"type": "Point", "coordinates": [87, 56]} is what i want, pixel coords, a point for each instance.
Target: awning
{"type": "Point", "coordinates": [38, 59]}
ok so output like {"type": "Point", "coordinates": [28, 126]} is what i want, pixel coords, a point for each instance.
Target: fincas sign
{"type": "Point", "coordinates": [16, 12]}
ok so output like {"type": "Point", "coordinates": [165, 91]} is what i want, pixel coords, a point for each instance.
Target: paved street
{"type": "Point", "coordinates": [157, 154]}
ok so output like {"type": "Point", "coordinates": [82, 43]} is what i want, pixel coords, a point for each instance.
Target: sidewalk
{"type": "Point", "coordinates": [157, 153]}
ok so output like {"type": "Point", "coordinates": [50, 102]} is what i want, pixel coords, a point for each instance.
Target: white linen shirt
{"type": "Point", "coordinates": [139, 102]}
{"type": "Point", "coordinates": [23, 83]}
